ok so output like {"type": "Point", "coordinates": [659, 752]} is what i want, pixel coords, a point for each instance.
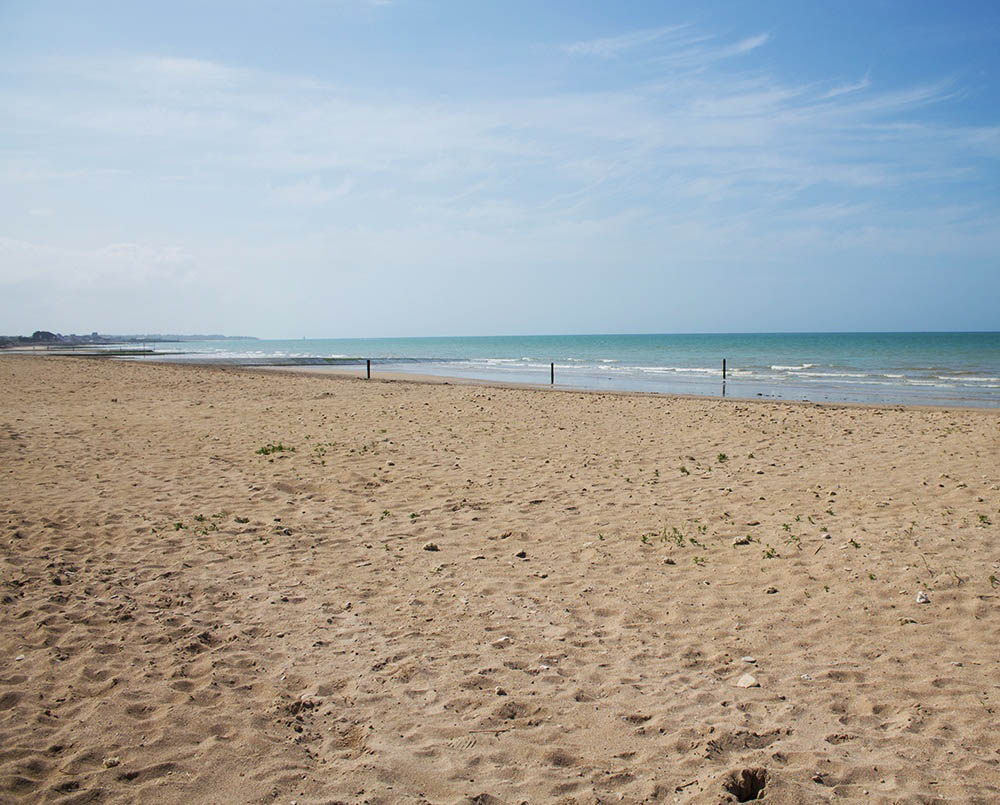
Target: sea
{"type": "Point", "coordinates": [938, 369]}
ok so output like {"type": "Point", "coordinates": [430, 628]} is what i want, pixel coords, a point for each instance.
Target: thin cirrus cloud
{"type": "Point", "coordinates": [845, 89]}
{"type": "Point", "coordinates": [311, 192]}
{"type": "Point", "coordinates": [121, 264]}
{"type": "Point", "coordinates": [678, 46]}
{"type": "Point", "coordinates": [612, 46]}
{"type": "Point", "coordinates": [701, 53]}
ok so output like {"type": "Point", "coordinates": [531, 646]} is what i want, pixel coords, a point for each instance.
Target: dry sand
{"type": "Point", "coordinates": [187, 619]}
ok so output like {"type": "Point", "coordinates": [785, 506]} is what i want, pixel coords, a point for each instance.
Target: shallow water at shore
{"type": "Point", "coordinates": [886, 368]}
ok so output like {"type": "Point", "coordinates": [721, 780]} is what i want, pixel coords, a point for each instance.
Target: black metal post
{"type": "Point", "coordinates": [723, 370]}
{"type": "Point", "coordinates": [552, 374]}
{"type": "Point", "coordinates": [368, 363]}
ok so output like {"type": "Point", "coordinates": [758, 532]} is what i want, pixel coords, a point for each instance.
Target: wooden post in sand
{"type": "Point", "coordinates": [723, 370]}
{"type": "Point", "coordinates": [368, 365]}
{"type": "Point", "coordinates": [552, 374]}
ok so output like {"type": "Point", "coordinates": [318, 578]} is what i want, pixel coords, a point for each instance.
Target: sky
{"type": "Point", "coordinates": [354, 168]}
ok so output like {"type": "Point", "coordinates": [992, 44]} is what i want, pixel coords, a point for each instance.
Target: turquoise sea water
{"type": "Point", "coordinates": [910, 368]}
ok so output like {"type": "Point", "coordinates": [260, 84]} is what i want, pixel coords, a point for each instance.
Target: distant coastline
{"type": "Point", "coordinates": [47, 338]}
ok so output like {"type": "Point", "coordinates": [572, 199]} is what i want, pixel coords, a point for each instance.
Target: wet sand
{"type": "Point", "coordinates": [236, 585]}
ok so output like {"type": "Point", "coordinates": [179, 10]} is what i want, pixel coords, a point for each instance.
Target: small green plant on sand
{"type": "Point", "coordinates": [673, 536]}
{"type": "Point", "coordinates": [984, 520]}
{"type": "Point", "coordinates": [385, 513]}
{"type": "Point", "coordinates": [994, 581]}
{"type": "Point", "coordinates": [270, 448]}
{"type": "Point", "coordinates": [178, 525]}
{"type": "Point", "coordinates": [722, 458]}
{"type": "Point", "coordinates": [698, 560]}
{"type": "Point", "coordinates": [644, 539]}
{"type": "Point", "coordinates": [414, 515]}
{"type": "Point", "coordinates": [769, 552]}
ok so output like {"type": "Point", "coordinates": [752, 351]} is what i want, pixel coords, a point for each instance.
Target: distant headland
{"type": "Point", "coordinates": [43, 338]}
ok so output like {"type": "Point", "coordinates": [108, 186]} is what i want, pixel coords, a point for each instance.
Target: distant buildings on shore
{"type": "Point", "coordinates": [45, 338]}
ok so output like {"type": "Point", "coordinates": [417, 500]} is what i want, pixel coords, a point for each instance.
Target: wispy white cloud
{"type": "Point", "coordinates": [611, 46]}
{"type": "Point", "coordinates": [748, 44]}
{"type": "Point", "coordinates": [675, 45]}
{"type": "Point", "coordinates": [119, 264]}
{"type": "Point", "coordinates": [691, 51]}
{"type": "Point", "coordinates": [311, 192]}
{"type": "Point", "coordinates": [188, 71]}
{"type": "Point", "coordinates": [845, 89]}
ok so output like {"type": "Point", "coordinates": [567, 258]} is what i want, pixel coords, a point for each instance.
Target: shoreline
{"type": "Point", "coordinates": [736, 386]}
{"type": "Point", "coordinates": [445, 380]}
{"type": "Point", "coordinates": [357, 372]}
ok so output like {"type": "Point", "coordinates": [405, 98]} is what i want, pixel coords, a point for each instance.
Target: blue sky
{"type": "Point", "coordinates": [358, 168]}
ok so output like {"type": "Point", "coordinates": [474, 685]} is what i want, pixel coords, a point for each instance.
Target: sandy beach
{"type": "Point", "coordinates": [224, 585]}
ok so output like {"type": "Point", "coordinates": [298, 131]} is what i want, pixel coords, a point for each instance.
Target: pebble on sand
{"type": "Point", "coordinates": [431, 546]}
{"type": "Point", "coordinates": [922, 598]}
{"type": "Point", "coordinates": [747, 681]}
